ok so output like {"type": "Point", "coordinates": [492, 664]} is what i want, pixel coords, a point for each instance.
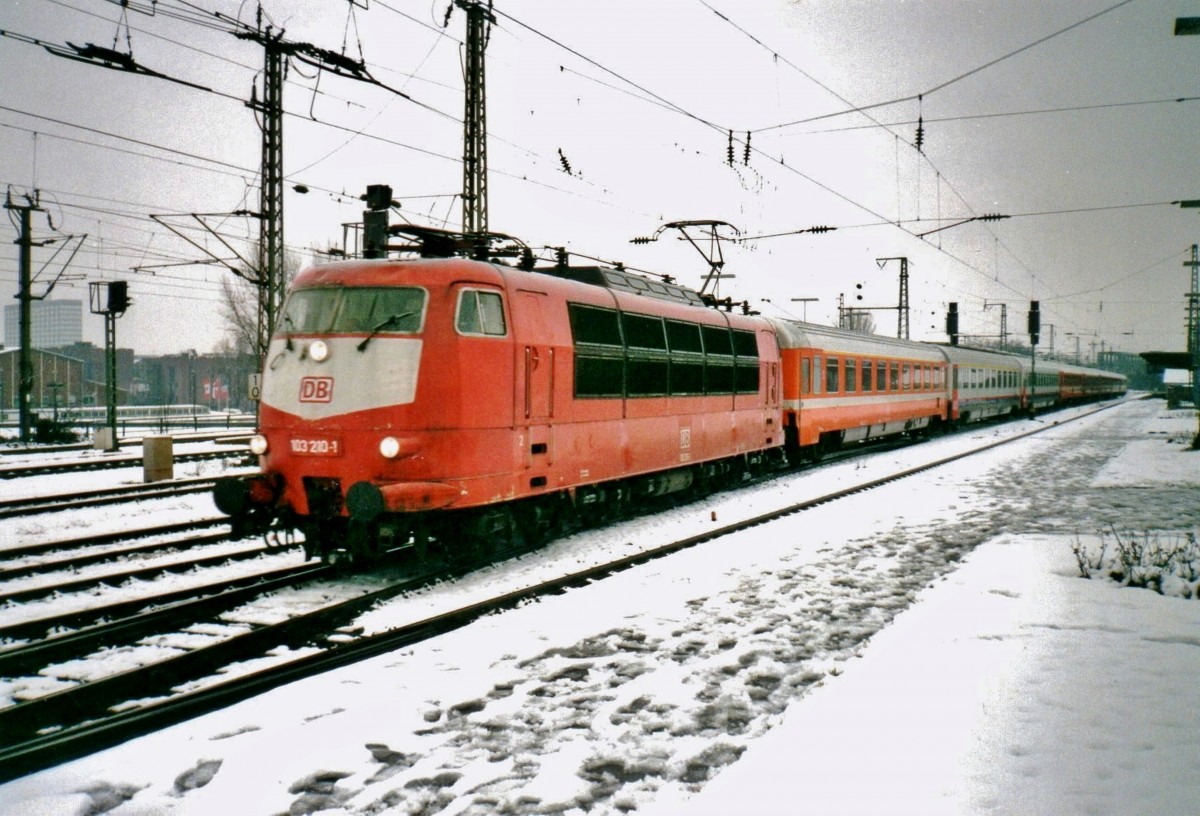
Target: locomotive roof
{"type": "Point", "coordinates": [627, 282]}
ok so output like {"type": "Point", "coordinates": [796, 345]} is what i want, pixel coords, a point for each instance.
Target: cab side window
{"type": "Point", "coordinates": [481, 312]}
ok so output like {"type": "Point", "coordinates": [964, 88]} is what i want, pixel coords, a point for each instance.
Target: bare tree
{"type": "Point", "coordinates": [859, 321]}
{"type": "Point", "coordinates": [240, 296]}
{"type": "Point", "coordinates": [240, 309]}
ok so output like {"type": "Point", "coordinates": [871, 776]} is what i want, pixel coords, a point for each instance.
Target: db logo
{"type": "Point", "coordinates": [316, 389]}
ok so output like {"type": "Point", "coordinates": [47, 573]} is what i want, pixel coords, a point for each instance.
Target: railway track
{"type": "Point", "coordinates": [34, 505]}
{"type": "Point", "coordinates": [106, 463]}
{"type": "Point", "coordinates": [40, 735]}
{"type": "Point", "coordinates": [225, 436]}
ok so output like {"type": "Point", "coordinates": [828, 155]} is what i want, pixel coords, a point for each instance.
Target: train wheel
{"type": "Point", "coordinates": [537, 521]}
{"type": "Point", "coordinates": [321, 538]}
{"type": "Point", "coordinates": [362, 543]}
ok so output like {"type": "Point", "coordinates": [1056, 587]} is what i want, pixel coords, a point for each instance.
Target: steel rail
{"type": "Point", "coordinates": [105, 495]}
{"type": "Point", "coordinates": [21, 471]}
{"type": "Point", "coordinates": [41, 627]}
{"type": "Point", "coordinates": [183, 607]}
{"type": "Point", "coordinates": [142, 573]}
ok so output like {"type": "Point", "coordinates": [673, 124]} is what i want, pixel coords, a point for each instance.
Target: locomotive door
{"type": "Point", "coordinates": [535, 359]}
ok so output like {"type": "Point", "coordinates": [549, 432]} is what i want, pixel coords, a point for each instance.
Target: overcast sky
{"type": "Point", "coordinates": [1068, 125]}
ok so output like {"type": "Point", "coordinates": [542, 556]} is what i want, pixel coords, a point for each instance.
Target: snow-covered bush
{"type": "Point", "coordinates": [1167, 563]}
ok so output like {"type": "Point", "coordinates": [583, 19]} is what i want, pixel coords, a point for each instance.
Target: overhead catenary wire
{"type": "Point", "coordinates": [946, 83]}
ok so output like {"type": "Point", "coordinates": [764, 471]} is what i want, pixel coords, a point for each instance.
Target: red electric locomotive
{"type": "Point", "coordinates": [455, 402]}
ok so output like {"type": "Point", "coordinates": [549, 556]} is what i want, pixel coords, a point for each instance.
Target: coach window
{"type": "Point", "coordinates": [831, 375]}
{"type": "Point", "coordinates": [805, 374]}
{"type": "Point", "coordinates": [867, 374]}
{"type": "Point", "coordinates": [480, 312]}
{"type": "Point", "coordinates": [894, 377]}
{"type": "Point", "coordinates": [851, 375]}
{"type": "Point", "coordinates": [928, 377]}
{"type": "Point", "coordinates": [880, 375]}
{"type": "Point", "coordinates": [906, 377]}
{"type": "Point", "coordinates": [817, 378]}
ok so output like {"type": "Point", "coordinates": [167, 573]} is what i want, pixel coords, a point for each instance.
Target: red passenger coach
{"type": "Point", "coordinates": [842, 386]}
{"type": "Point", "coordinates": [447, 401]}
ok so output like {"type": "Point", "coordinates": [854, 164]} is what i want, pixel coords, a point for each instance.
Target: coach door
{"type": "Point", "coordinates": [535, 359]}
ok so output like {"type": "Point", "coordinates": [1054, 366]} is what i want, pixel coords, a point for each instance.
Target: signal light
{"type": "Point", "coordinates": [118, 297]}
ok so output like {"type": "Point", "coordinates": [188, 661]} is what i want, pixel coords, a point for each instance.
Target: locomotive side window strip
{"type": "Point", "coordinates": [636, 355]}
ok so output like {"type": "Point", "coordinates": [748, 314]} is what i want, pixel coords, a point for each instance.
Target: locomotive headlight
{"type": "Point", "coordinates": [258, 444]}
{"type": "Point", "coordinates": [389, 447]}
{"type": "Point", "coordinates": [318, 351]}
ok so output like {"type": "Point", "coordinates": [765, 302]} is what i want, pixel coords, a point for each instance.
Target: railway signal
{"type": "Point", "coordinates": [111, 299]}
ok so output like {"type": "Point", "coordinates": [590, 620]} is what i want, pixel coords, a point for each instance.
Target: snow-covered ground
{"type": "Point", "coordinates": [925, 647]}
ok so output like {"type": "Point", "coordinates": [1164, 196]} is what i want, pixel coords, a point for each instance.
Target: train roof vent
{"type": "Point", "coordinates": [628, 282]}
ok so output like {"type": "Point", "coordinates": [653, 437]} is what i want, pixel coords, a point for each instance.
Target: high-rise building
{"type": "Point", "coordinates": [55, 323]}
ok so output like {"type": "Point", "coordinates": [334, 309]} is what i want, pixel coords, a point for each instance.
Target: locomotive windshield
{"type": "Point", "coordinates": [356, 309]}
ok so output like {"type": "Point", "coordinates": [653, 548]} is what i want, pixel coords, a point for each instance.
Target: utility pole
{"type": "Point", "coordinates": [271, 279]}
{"type": "Point", "coordinates": [902, 307]}
{"type": "Point", "coordinates": [475, 204]}
{"type": "Point", "coordinates": [1193, 329]}
{"type": "Point", "coordinates": [1034, 325]}
{"type": "Point", "coordinates": [25, 299]}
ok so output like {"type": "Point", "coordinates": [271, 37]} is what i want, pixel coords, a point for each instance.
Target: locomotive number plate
{"type": "Point", "coordinates": [317, 446]}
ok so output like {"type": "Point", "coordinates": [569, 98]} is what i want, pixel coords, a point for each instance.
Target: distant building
{"type": "Point", "coordinates": [57, 380]}
{"type": "Point", "coordinates": [66, 378]}
{"type": "Point", "coordinates": [219, 381]}
{"type": "Point", "coordinates": [53, 323]}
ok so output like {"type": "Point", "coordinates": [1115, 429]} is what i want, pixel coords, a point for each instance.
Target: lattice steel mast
{"type": "Point", "coordinates": [475, 203]}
